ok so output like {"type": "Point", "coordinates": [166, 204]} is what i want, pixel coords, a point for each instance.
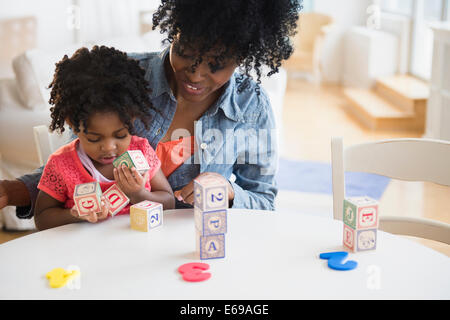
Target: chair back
{"type": "Point", "coordinates": [47, 143]}
{"type": "Point", "coordinates": [309, 27]}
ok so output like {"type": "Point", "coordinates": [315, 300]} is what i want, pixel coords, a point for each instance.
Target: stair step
{"type": "Point", "coordinates": [374, 104]}
{"type": "Point", "coordinates": [377, 113]}
{"type": "Point", "coordinates": [408, 86]}
{"type": "Point", "coordinates": [404, 91]}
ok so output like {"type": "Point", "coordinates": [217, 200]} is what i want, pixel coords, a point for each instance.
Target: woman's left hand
{"type": "Point", "coordinates": [186, 194]}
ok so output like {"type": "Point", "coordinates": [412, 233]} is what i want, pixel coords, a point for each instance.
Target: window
{"type": "Point", "coordinates": [426, 12]}
{"type": "Point", "coordinates": [404, 7]}
{"type": "Point", "coordinates": [308, 5]}
{"type": "Point", "coordinates": [433, 10]}
{"type": "Point", "coordinates": [422, 14]}
{"type": "Point", "coordinates": [446, 10]}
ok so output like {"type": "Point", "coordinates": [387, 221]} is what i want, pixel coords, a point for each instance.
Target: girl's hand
{"type": "Point", "coordinates": [93, 217]}
{"type": "Point", "coordinates": [186, 194]}
{"type": "Point", "coordinates": [130, 180]}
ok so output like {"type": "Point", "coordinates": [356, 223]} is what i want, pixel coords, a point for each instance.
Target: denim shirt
{"type": "Point", "coordinates": [235, 137]}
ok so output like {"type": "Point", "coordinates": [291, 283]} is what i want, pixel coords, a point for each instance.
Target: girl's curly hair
{"type": "Point", "coordinates": [252, 32]}
{"type": "Point", "coordinates": [100, 80]}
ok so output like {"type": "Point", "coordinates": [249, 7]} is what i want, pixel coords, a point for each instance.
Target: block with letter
{"type": "Point", "coordinates": [146, 215]}
{"type": "Point", "coordinates": [210, 247]}
{"type": "Point", "coordinates": [117, 199]}
{"type": "Point", "coordinates": [360, 219]}
{"type": "Point", "coordinates": [210, 222]}
{"type": "Point", "coordinates": [133, 158]}
{"type": "Point", "coordinates": [210, 215]}
{"type": "Point", "coordinates": [210, 193]}
{"type": "Point", "coordinates": [87, 196]}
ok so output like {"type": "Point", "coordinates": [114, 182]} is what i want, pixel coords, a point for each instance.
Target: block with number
{"type": "Point", "coordinates": [87, 197]}
{"type": "Point", "coordinates": [146, 215]}
{"type": "Point", "coordinates": [210, 247]}
{"type": "Point", "coordinates": [210, 193]}
{"type": "Point", "coordinates": [210, 222]}
{"type": "Point", "coordinates": [133, 158]}
{"type": "Point", "coordinates": [117, 199]}
{"type": "Point", "coordinates": [360, 219]}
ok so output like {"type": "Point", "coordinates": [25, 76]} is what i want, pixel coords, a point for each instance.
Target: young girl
{"type": "Point", "coordinates": [99, 94]}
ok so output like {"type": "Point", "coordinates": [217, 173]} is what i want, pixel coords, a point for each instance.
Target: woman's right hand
{"type": "Point", "coordinates": [93, 217]}
{"type": "Point", "coordinates": [3, 195]}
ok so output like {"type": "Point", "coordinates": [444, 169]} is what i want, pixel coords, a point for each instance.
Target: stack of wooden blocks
{"type": "Point", "coordinates": [360, 223]}
{"type": "Point", "coordinates": [210, 213]}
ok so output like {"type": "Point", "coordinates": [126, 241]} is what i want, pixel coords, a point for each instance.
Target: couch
{"type": "Point", "coordinates": [24, 104]}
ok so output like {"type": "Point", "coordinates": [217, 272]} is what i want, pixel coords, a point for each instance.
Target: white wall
{"type": "Point", "coordinates": [346, 13]}
{"type": "Point", "coordinates": [51, 18]}
{"type": "Point", "coordinates": [99, 18]}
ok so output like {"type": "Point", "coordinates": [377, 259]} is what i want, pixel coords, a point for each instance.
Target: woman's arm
{"type": "Point", "coordinates": [13, 193]}
{"type": "Point", "coordinates": [253, 190]}
{"type": "Point", "coordinates": [132, 183]}
{"type": "Point", "coordinates": [254, 164]}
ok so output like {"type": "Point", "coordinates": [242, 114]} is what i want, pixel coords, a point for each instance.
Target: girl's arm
{"type": "Point", "coordinates": [133, 184]}
{"type": "Point", "coordinates": [50, 213]}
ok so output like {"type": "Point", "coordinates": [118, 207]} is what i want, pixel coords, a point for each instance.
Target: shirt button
{"type": "Point", "coordinates": [158, 131]}
{"type": "Point", "coordinates": [203, 146]}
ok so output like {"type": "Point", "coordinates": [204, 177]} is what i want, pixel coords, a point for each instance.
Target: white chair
{"type": "Point", "coordinates": [403, 159]}
{"type": "Point", "coordinates": [47, 143]}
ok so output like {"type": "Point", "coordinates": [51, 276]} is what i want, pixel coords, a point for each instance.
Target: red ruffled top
{"type": "Point", "coordinates": [64, 171]}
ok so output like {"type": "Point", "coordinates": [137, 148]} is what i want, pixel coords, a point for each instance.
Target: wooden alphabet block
{"type": "Point", "coordinates": [361, 213]}
{"type": "Point", "coordinates": [210, 194]}
{"type": "Point", "coordinates": [146, 215]}
{"type": "Point", "coordinates": [87, 196]}
{"type": "Point", "coordinates": [360, 219]}
{"type": "Point", "coordinates": [117, 199]}
{"type": "Point", "coordinates": [210, 222]}
{"type": "Point", "coordinates": [133, 158]}
{"type": "Point", "coordinates": [360, 240]}
{"type": "Point", "coordinates": [210, 247]}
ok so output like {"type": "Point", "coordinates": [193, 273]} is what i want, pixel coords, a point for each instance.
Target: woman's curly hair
{"type": "Point", "coordinates": [252, 32]}
{"type": "Point", "coordinates": [100, 80]}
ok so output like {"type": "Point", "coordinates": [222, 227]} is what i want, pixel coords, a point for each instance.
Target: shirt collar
{"type": "Point", "coordinates": [227, 102]}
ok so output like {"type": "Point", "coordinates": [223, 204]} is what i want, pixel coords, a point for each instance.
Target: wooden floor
{"type": "Point", "coordinates": [312, 115]}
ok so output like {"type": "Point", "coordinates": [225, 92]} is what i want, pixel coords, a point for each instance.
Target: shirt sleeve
{"type": "Point", "coordinates": [30, 180]}
{"type": "Point", "coordinates": [52, 181]}
{"type": "Point", "coordinates": [151, 157]}
{"type": "Point", "coordinates": [255, 185]}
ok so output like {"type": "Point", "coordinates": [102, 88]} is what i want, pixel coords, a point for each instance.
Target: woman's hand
{"type": "Point", "coordinates": [93, 216]}
{"type": "Point", "coordinates": [3, 196]}
{"type": "Point", "coordinates": [186, 194]}
{"type": "Point", "coordinates": [130, 181]}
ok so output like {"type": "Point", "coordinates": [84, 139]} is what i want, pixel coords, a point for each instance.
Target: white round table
{"type": "Point", "coordinates": [269, 255]}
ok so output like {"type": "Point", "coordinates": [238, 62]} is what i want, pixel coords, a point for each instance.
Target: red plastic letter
{"type": "Point", "coordinates": [192, 272]}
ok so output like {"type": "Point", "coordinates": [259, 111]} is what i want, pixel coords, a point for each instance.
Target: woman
{"type": "Point", "coordinates": [199, 97]}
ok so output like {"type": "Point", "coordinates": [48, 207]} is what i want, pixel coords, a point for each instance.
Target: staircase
{"type": "Point", "coordinates": [395, 103]}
